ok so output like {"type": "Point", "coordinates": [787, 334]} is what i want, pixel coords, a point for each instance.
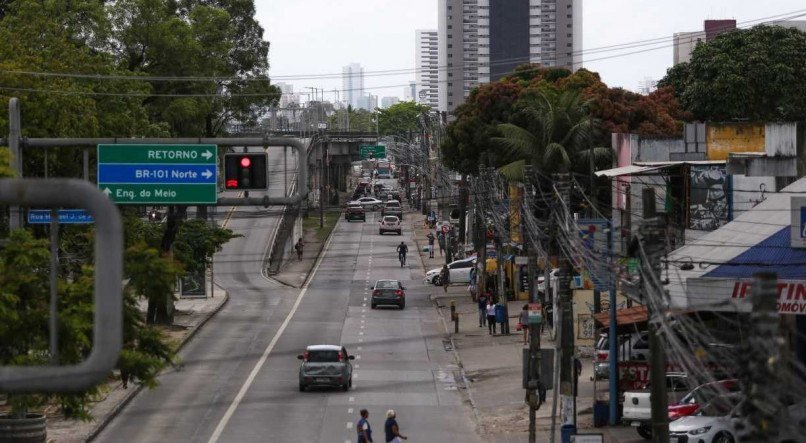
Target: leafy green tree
{"type": "Point", "coordinates": [352, 119]}
{"type": "Point", "coordinates": [551, 130]}
{"type": "Point", "coordinates": [401, 118]}
{"type": "Point", "coordinates": [754, 74]}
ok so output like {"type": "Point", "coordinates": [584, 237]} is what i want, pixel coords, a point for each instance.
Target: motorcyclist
{"type": "Point", "coordinates": [402, 250]}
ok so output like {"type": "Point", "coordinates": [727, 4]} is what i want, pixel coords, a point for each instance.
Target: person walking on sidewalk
{"type": "Point", "coordinates": [523, 319]}
{"type": "Point", "coordinates": [391, 428]}
{"type": "Point", "coordinates": [483, 309]}
{"type": "Point", "coordinates": [445, 277]}
{"type": "Point", "coordinates": [490, 316]}
{"type": "Point", "coordinates": [298, 247]}
{"type": "Point", "coordinates": [441, 241]}
{"type": "Point", "coordinates": [431, 239]}
{"type": "Point", "coordinates": [363, 428]}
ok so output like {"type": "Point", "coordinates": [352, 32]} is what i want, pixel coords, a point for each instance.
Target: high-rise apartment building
{"type": "Point", "coordinates": [427, 64]}
{"type": "Point", "coordinates": [483, 40]}
{"type": "Point", "coordinates": [352, 81]}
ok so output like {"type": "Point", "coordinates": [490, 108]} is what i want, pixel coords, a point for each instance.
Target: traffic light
{"type": "Point", "coordinates": [245, 171]}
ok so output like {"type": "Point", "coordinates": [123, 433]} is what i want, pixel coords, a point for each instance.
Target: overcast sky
{"type": "Point", "coordinates": [318, 37]}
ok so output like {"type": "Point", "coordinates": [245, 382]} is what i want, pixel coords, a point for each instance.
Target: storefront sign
{"type": "Point", "coordinates": [791, 294]}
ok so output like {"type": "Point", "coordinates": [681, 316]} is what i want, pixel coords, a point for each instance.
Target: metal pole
{"type": "Point", "coordinates": [567, 336]}
{"type": "Point", "coordinates": [14, 132]}
{"type": "Point", "coordinates": [612, 363]}
{"type": "Point", "coordinates": [285, 170]}
{"type": "Point", "coordinates": [86, 163]}
{"type": "Point", "coordinates": [54, 286]}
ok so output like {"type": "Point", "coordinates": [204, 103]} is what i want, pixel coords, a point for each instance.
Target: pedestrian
{"type": "Point", "coordinates": [445, 276]}
{"type": "Point", "coordinates": [490, 316]}
{"type": "Point", "coordinates": [391, 428]}
{"type": "Point", "coordinates": [441, 241]}
{"type": "Point", "coordinates": [431, 239]}
{"type": "Point", "coordinates": [363, 428]}
{"type": "Point", "coordinates": [482, 301]}
{"type": "Point", "coordinates": [523, 319]}
{"type": "Point", "coordinates": [298, 247]}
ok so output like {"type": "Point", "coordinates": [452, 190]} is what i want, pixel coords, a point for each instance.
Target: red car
{"type": "Point", "coordinates": [701, 395]}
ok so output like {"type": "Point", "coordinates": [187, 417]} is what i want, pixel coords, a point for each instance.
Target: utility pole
{"type": "Point", "coordinates": [652, 237]}
{"type": "Point", "coordinates": [567, 367]}
{"type": "Point", "coordinates": [761, 373]}
{"type": "Point", "coordinates": [534, 364]}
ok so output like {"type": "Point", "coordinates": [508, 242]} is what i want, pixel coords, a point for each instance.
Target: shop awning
{"type": "Point", "coordinates": [626, 316]}
{"type": "Point", "coordinates": [644, 167]}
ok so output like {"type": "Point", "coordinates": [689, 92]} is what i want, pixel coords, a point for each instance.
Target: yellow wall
{"type": "Point", "coordinates": [722, 138]}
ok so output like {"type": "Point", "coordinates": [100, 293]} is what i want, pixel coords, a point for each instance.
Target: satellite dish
{"type": "Point", "coordinates": [423, 93]}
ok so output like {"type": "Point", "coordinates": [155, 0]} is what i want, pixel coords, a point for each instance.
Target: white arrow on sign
{"type": "Point", "coordinates": [107, 191]}
{"type": "Point", "coordinates": [207, 174]}
{"type": "Point", "coordinates": [207, 155]}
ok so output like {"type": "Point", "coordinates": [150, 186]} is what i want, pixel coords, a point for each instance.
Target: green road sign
{"type": "Point", "coordinates": [377, 151]}
{"type": "Point", "coordinates": [158, 174]}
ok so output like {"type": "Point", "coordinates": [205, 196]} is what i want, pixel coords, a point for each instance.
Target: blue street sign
{"type": "Point", "coordinates": [66, 217]}
{"type": "Point", "coordinates": [136, 174]}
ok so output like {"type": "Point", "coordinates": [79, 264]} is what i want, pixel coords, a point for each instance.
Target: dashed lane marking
{"type": "Point", "coordinates": [219, 429]}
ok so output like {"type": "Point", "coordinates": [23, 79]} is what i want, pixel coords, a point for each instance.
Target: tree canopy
{"type": "Point", "coordinates": [401, 118]}
{"type": "Point", "coordinates": [480, 118]}
{"type": "Point", "coordinates": [755, 74]}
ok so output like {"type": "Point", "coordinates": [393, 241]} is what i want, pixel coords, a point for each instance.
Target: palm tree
{"type": "Point", "coordinates": [551, 130]}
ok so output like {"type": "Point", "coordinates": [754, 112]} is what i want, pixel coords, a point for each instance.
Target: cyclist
{"type": "Point", "coordinates": [402, 250]}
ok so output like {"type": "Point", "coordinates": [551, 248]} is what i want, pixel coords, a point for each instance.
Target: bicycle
{"type": "Point", "coordinates": [402, 258]}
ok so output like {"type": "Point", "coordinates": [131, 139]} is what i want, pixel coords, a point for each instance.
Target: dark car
{"type": "Point", "coordinates": [325, 365]}
{"type": "Point", "coordinates": [355, 211]}
{"type": "Point", "coordinates": [388, 292]}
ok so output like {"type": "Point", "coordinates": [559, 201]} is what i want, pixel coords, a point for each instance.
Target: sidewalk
{"type": "Point", "coordinates": [492, 365]}
{"type": "Point", "coordinates": [189, 317]}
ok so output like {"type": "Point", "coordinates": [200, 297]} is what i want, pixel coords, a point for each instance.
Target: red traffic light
{"type": "Point", "coordinates": [246, 162]}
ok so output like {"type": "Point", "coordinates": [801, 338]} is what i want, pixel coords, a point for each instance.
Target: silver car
{"type": "Point", "coordinates": [325, 365]}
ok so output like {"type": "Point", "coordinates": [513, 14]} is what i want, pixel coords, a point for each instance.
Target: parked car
{"type": "Point", "coordinates": [392, 207]}
{"type": "Point", "coordinates": [388, 292]}
{"type": "Point", "coordinates": [459, 271]}
{"type": "Point", "coordinates": [637, 410]}
{"type": "Point", "coordinates": [631, 347]}
{"type": "Point", "coordinates": [370, 203]}
{"type": "Point", "coordinates": [389, 223]}
{"type": "Point", "coordinates": [325, 365]}
{"type": "Point", "coordinates": [355, 211]}
{"type": "Point", "coordinates": [701, 395]}
{"type": "Point", "coordinates": [713, 423]}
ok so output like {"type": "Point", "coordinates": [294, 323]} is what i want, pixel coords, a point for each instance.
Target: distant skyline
{"type": "Point", "coordinates": [311, 40]}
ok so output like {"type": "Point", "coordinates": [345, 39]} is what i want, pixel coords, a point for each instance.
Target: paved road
{"type": "Point", "coordinates": [240, 377]}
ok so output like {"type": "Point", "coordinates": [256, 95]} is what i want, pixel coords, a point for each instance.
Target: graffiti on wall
{"type": "Point", "coordinates": [708, 197]}
{"type": "Point", "coordinates": [586, 327]}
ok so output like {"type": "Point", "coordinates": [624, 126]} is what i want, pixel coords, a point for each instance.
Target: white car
{"type": "Point", "coordinates": [713, 423]}
{"type": "Point", "coordinates": [389, 223]}
{"type": "Point", "coordinates": [460, 272]}
{"type": "Point", "coordinates": [369, 203]}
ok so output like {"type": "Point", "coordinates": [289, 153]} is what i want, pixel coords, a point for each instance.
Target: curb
{"type": "Point", "coordinates": [308, 273]}
{"type": "Point", "coordinates": [103, 423]}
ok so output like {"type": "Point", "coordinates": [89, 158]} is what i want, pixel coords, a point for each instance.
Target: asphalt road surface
{"type": "Point", "coordinates": [239, 382]}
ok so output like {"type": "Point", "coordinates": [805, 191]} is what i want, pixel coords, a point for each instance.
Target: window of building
{"type": "Point", "coordinates": [450, 26]}
{"type": "Point", "coordinates": [570, 16]}
{"type": "Point", "coordinates": [570, 35]}
{"type": "Point", "coordinates": [450, 74]}
{"type": "Point", "coordinates": [568, 25]}
{"type": "Point", "coordinates": [450, 45]}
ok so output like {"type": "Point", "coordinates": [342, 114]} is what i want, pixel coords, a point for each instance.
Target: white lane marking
{"type": "Point", "coordinates": [359, 348]}
{"type": "Point", "coordinates": [363, 304]}
{"type": "Point", "coordinates": [219, 429]}
{"type": "Point", "coordinates": [351, 399]}
{"type": "Point", "coordinates": [349, 425]}
{"type": "Point", "coordinates": [358, 357]}
{"type": "Point", "coordinates": [356, 366]}
{"type": "Point", "coordinates": [349, 410]}
{"type": "Point", "coordinates": [361, 339]}
{"type": "Point", "coordinates": [362, 321]}
{"type": "Point", "coordinates": [360, 333]}
{"type": "Point", "coordinates": [365, 299]}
